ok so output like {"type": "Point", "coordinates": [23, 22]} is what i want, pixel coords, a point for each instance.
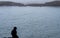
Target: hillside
{"type": "Point", "coordinates": [53, 3]}
{"type": "Point", "coordinates": [8, 3]}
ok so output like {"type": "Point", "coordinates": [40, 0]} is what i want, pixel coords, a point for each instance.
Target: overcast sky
{"type": "Point", "coordinates": [28, 1]}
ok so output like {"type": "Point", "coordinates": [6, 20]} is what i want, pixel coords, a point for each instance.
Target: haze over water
{"type": "Point", "coordinates": [31, 22]}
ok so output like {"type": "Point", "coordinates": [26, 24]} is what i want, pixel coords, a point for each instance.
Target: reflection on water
{"type": "Point", "coordinates": [31, 22]}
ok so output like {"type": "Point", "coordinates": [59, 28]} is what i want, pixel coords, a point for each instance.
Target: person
{"type": "Point", "coordinates": [14, 33]}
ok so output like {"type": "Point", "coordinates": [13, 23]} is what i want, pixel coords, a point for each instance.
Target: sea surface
{"type": "Point", "coordinates": [31, 22]}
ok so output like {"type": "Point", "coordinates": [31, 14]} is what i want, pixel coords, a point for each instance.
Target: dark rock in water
{"type": "Point", "coordinates": [7, 37]}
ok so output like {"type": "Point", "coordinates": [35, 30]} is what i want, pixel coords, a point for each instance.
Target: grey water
{"type": "Point", "coordinates": [31, 22]}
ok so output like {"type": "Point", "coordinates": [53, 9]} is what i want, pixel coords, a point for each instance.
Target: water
{"type": "Point", "coordinates": [32, 22]}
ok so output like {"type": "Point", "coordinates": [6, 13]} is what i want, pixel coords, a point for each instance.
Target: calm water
{"type": "Point", "coordinates": [32, 22]}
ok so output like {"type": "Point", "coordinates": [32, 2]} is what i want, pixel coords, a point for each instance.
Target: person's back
{"type": "Point", "coordinates": [14, 33]}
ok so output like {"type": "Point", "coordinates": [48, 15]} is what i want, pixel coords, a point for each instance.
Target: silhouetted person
{"type": "Point", "coordinates": [14, 33]}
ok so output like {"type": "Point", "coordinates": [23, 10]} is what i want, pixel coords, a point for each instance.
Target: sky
{"type": "Point", "coordinates": [28, 1]}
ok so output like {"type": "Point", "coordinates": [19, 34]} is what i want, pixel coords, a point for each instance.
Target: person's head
{"type": "Point", "coordinates": [15, 28]}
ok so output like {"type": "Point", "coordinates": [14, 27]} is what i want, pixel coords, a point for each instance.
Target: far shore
{"type": "Point", "coordinates": [9, 3]}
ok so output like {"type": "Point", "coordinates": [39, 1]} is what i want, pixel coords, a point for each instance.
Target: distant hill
{"type": "Point", "coordinates": [52, 3]}
{"type": "Point", "coordinates": [34, 4]}
{"type": "Point", "coordinates": [9, 3]}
